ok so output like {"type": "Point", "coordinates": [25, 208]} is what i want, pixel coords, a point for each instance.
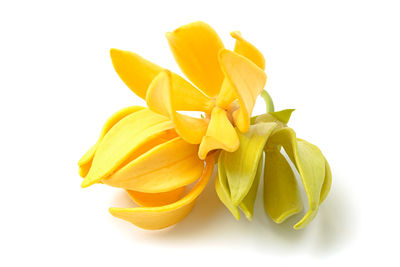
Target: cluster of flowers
{"type": "Point", "coordinates": [157, 153]}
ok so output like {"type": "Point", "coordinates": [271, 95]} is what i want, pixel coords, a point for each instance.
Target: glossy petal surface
{"type": "Point", "coordinates": [195, 47]}
{"type": "Point", "coordinates": [241, 165]}
{"type": "Point", "coordinates": [125, 141]}
{"type": "Point", "coordinates": [281, 193]}
{"type": "Point", "coordinates": [86, 161]}
{"type": "Point", "coordinates": [247, 80]}
{"type": "Point", "coordinates": [220, 134]}
{"type": "Point", "coordinates": [164, 216]}
{"type": "Point", "coordinates": [156, 199]}
{"type": "Point", "coordinates": [159, 99]}
{"type": "Point", "coordinates": [163, 168]}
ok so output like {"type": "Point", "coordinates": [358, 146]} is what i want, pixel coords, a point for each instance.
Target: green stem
{"type": "Point", "coordinates": [268, 101]}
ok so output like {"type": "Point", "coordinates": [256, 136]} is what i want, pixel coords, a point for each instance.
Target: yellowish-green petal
{"type": "Point", "coordinates": [164, 216]}
{"type": "Point", "coordinates": [222, 188]}
{"type": "Point", "coordinates": [241, 165]}
{"type": "Point", "coordinates": [156, 199]}
{"type": "Point", "coordinates": [195, 47]}
{"type": "Point", "coordinates": [163, 168]}
{"type": "Point", "coordinates": [220, 134]}
{"type": "Point", "coordinates": [125, 141]}
{"type": "Point", "coordinates": [247, 204]}
{"type": "Point", "coordinates": [247, 80]}
{"type": "Point", "coordinates": [283, 115]}
{"type": "Point", "coordinates": [160, 99]}
{"type": "Point", "coordinates": [281, 193]}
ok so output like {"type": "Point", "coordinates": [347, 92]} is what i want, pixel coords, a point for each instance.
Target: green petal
{"type": "Point", "coordinates": [281, 195]}
{"type": "Point", "coordinates": [222, 189]}
{"type": "Point", "coordinates": [241, 165]}
{"type": "Point", "coordinates": [283, 115]}
{"type": "Point", "coordinates": [311, 165]}
{"type": "Point", "coordinates": [247, 205]}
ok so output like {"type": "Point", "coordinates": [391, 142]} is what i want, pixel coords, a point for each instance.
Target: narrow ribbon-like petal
{"type": "Point", "coordinates": [247, 80]}
{"type": "Point", "coordinates": [127, 139]}
{"type": "Point", "coordinates": [241, 165]}
{"type": "Point", "coordinates": [156, 199]}
{"type": "Point", "coordinates": [86, 161]}
{"type": "Point", "coordinates": [195, 47]}
{"type": "Point", "coordinates": [159, 99]}
{"type": "Point", "coordinates": [222, 188]}
{"type": "Point", "coordinates": [283, 115]}
{"type": "Point", "coordinates": [311, 166]}
{"type": "Point", "coordinates": [247, 204]}
{"type": "Point", "coordinates": [220, 134]}
{"type": "Point", "coordinates": [135, 71]}
{"type": "Point", "coordinates": [246, 49]}
{"type": "Point", "coordinates": [161, 217]}
{"type": "Point", "coordinates": [163, 168]}
{"type": "Point", "coordinates": [281, 194]}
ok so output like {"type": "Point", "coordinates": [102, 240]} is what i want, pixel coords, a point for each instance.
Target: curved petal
{"type": "Point", "coordinates": [195, 47]}
{"type": "Point", "coordinates": [161, 217]}
{"type": "Point", "coordinates": [86, 161]}
{"type": "Point", "coordinates": [222, 188]}
{"type": "Point", "coordinates": [135, 71]}
{"type": "Point", "coordinates": [246, 49]}
{"type": "Point", "coordinates": [241, 165]}
{"type": "Point", "coordinates": [247, 80]}
{"type": "Point", "coordinates": [159, 99]}
{"type": "Point", "coordinates": [220, 134]}
{"type": "Point", "coordinates": [163, 168]}
{"type": "Point", "coordinates": [311, 166]}
{"type": "Point", "coordinates": [281, 194]}
{"type": "Point", "coordinates": [125, 141]}
{"type": "Point", "coordinates": [156, 199]}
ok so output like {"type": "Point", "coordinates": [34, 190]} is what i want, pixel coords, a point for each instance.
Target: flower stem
{"type": "Point", "coordinates": [268, 101]}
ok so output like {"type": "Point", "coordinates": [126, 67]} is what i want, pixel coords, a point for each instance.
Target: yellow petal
{"type": "Point", "coordinates": [156, 199]}
{"type": "Point", "coordinates": [281, 195]}
{"type": "Point", "coordinates": [135, 71]}
{"type": "Point", "coordinates": [311, 166]}
{"type": "Point", "coordinates": [159, 99]}
{"type": "Point", "coordinates": [327, 182]}
{"type": "Point", "coordinates": [161, 217]}
{"type": "Point", "coordinates": [247, 204]}
{"type": "Point", "coordinates": [241, 165]}
{"type": "Point", "coordinates": [86, 161]}
{"type": "Point", "coordinates": [195, 47]}
{"type": "Point", "coordinates": [222, 188]}
{"type": "Point", "coordinates": [220, 134]}
{"type": "Point", "coordinates": [246, 49]}
{"type": "Point", "coordinates": [125, 141]}
{"type": "Point", "coordinates": [247, 80]}
{"type": "Point", "coordinates": [163, 168]}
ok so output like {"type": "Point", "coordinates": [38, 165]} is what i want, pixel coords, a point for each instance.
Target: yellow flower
{"type": "Point", "coordinates": [155, 152]}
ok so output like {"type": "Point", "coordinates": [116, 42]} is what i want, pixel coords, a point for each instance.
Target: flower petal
{"type": "Point", "coordinates": [126, 140]}
{"type": "Point", "coordinates": [220, 134]}
{"type": "Point", "coordinates": [247, 80]}
{"type": "Point", "coordinates": [159, 99]}
{"type": "Point", "coordinates": [156, 199]}
{"type": "Point", "coordinates": [86, 161]}
{"type": "Point", "coordinates": [161, 217]}
{"type": "Point", "coordinates": [195, 47]}
{"type": "Point", "coordinates": [163, 168]}
{"type": "Point", "coordinates": [246, 49]}
{"type": "Point", "coordinates": [135, 71]}
{"type": "Point", "coordinates": [222, 188]}
{"type": "Point", "coordinates": [247, 204]}
{"type": "Point", "coordinates": [311, 166]}
{"type": "Point", "coordinates": [241, 165]}
{"type": "Point", "coordinates": [283, 115]}
{"type": "Point", "coordinates": [281, 194]}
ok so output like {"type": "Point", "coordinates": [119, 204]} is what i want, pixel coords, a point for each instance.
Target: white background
{"type": "Point", "coordinates": [336, 62]}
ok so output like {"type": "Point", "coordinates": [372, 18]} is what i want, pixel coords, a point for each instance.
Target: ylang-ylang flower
{"type": "Point", "coordinates": [156, 153]}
